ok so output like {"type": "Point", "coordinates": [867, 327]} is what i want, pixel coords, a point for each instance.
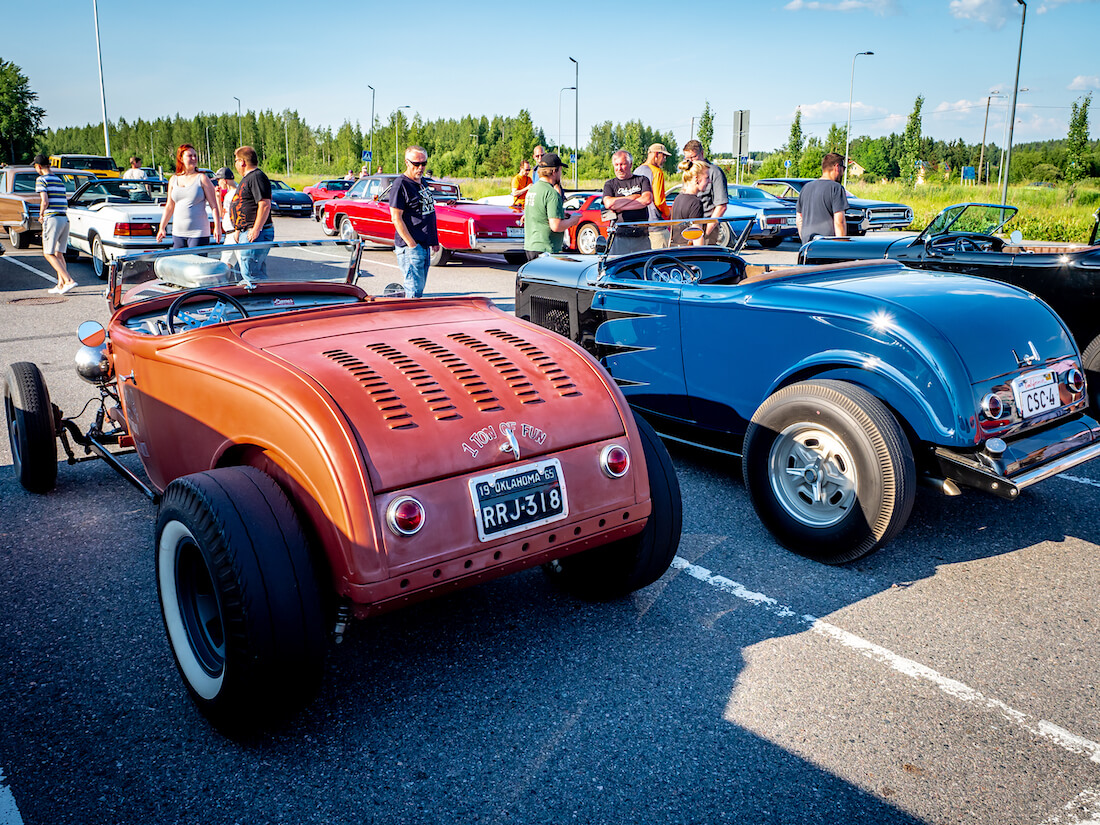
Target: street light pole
{"type": "Point", "coordinates": [1012, 117]}
{"type": "Point", "coordinates": [563, 89]}
{"type": "Point", "coordinates": [371, 123]}
{"type": "Point", "coordinates": [208, 163]}
{"type": "Point", "coordinates": [152, 153]}
{"type": "Point", "coordinates": [981, 157]}
{"type": "Point", "coordinates": [102, 93]}
{"type": "Point", "coordinates": [396, 132]}
{"type": "Point", "coordinates": [240, 130]}
{"type": "Point", "coordinates": [848, 131]}
{"type": "Point", "coordinates": [1004, 146]}
{"type": "Point", "coordinates": [286, 137]}
{"type": "Point", "coordinates": [576, 118]}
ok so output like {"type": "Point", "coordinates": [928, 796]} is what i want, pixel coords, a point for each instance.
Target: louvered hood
{"type": "Point", "coordinates": [429, 398]}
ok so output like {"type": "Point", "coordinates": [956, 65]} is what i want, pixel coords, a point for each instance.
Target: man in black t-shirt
{"type": "Point", "coordinates": [823, 202]}
{"type": "Point", "coordinates": [628, 196]}
{"type": "Point", "coordinates": [251, 213]}
{"type": "Point", "coordinates": [412, 209]}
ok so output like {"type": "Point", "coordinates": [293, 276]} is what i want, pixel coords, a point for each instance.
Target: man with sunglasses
{"type": "Point", "coordinates": [412, 210]}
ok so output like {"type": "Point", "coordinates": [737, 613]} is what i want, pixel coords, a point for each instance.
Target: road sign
{"type": "Point", "coordinates": [786, 164]}
{"type": "Point", "coordinates": [573, 157]}
{"type": "Point", "coordinates": [367, 156]}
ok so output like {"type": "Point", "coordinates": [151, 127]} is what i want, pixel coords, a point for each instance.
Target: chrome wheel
{"type": "Point", "coordinates": [99, 262]}
{"type": "Point", "coordinates": [587, 236]}
{"type": "Point", "coordinates": [347, 231]}
{"type": "Point", "coordinates": [813, 475]}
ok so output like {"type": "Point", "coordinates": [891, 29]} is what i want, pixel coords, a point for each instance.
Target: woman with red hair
{"type": "Point", "coordinates": [189, 193]}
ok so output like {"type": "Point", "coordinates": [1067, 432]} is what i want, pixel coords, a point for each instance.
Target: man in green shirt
{"type": "Point", "coordinates": [544, 221]}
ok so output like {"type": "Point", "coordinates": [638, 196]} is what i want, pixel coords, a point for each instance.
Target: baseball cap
{"type": "Point", "coordinates": [659, 147]}
{"type": "Point", "coordinates": [41, 160]}
{"type": "Point", "coordinates": [225, 173]}
{"type": "Point", "coordinates": [550, 160]}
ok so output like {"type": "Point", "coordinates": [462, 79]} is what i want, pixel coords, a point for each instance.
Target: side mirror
{"type": "Point", "coordinates": [91, 333]}
{"type": "Point", "coordinates": [601, 245]}
{"type": "Point", "coordinates": [1016, 237]}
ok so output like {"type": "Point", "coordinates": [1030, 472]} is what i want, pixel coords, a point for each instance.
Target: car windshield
{"type": "Point", "coordinates": [278, 184]}
{"type": "Point", "coordinates": [136, 278]}
{"type": "Point", "coordinates": [121, 191]}
{"type": "Point", "coordinates": [748, 193]}
{"type": "Point", "coordinates": [978, 218]}
{"type": "Point", "coordinates": [336, 185]}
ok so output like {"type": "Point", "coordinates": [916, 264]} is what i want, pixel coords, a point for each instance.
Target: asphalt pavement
{"type": "Point", "coordinates": [949, 678]}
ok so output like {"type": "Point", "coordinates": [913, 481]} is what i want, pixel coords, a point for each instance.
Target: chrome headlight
{"type": "Point", "coordinates": [93, 365]}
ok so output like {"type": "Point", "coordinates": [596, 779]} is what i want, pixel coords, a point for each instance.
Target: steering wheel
{"type": "Point", "coordinates": [216, 316]}
{"type": "Point", "coordinates": [666, 277]}
{"type": "Point", "coordinates": [965, 244]}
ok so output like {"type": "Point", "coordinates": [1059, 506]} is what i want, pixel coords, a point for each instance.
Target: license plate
{"type": "Point", "coordinates": [792, 221]}
{"type": "Point", "coordinates": [515, 231]}
{"type": "Point", "coordinates": [1036, 392]}
{"type": "Point", "coordinates": [518, 499]}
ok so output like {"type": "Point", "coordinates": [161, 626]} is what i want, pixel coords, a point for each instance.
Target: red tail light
{"type": "Point", "coordinates": [614, 461]}
{"type": "Point", "coordinates": [135, 230]}
{"type": "Point", "coordinates": [405, 516]}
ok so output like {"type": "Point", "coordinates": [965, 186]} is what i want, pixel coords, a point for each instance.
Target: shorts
{"type": "Point", "coordinates": [55, 234]}
{"type": "Point", "coordinates": [179, 242]}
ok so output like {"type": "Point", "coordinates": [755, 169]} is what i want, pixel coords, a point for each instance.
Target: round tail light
{"type": "Point", "coordinates": [992, 407]}
{"type": "Point", "coordinates": [405, 516]}
{"type": "Point", "coordinates": [614, 461]}
{"type": "Point", "coordinates": [1075, 380]}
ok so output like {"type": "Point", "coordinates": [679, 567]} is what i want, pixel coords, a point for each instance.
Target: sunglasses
{"type": "Point", "coordinates": [416, 162]}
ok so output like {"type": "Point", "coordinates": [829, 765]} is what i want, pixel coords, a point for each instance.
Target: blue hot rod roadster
{"type": "Point", "coordinates": [840, 387]}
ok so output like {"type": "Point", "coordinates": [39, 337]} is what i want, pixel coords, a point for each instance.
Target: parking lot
{"type": "Point", "coordinates": [950, 678]}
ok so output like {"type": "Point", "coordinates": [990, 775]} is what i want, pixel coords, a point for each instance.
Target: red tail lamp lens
{"type": "Point", "coordinates": [405, 516]}
{"type": "Point", "coordinates": [615, 461]}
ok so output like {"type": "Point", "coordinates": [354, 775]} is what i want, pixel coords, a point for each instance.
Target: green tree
{"type": "Point", "coordinates": [20, 119]}
{"type": "Point", "coordinates": [910, 147]}
{"type": "Point", "coordinates": [794, 142]}
{"type": "Point", "coordinates": [835, 140]}
{"type": "Point", "coordinates": [1077, 141]}
{"type": "Point", "coordinates": [706, 129]}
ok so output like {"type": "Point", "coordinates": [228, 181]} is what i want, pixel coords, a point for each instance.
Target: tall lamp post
{"type": "Point", "coordinates": [1004, 146]}
{"type": "Point", "coordinates": [576, 118]}
{"type": "Point", "coordinates": [981, 157]}
{"type": "Point", "coordinates": [286, 137]}
{"type": "Point", "coordinates": [208, 163]}
{"type": "Point", "coordinates": [1012, 116]}
{"type": "Point", "coordinates": [240, 130]}
{"type": "Point", "coordinates": [396, 132]}
{"type": "Point", "coordinates": [152, 153]}
{"type": "Point", "coordinates": [102, 93]}
{"type": "Point", "coordinates": [563, 89]}
{"type": "Point", "coordinates": [371, 123]}
{"type": "Point", "coordinates": [848, 131]}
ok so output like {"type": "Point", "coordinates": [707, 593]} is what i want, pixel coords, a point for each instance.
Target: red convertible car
{"type": "Point", "coordinates": [464, 226]}
{"type": "Point", "coordinates": [325, 190]}
{"type": "Point", "coordinates": [319, 454]}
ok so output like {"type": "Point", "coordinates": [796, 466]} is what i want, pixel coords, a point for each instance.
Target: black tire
{"type": "Point", "coordinates": [1090, 360]}
{"type": "Point", "coordinates": [345, 229]}
{"type": "Point", "coordinates": [843, 430]}
{"type": "Point", "coordinates": [621, 567]}
{"type": "Point", "coordinates": [31, 431]}
{"type": "Point", "coordinates": [439, 257]}
{"type": "Point", "coordinates": [587, 235]}
{"type": "Point", "coordinates": [19, 240]}
{"type": "Point", "coordinates": [239, 596]}
{"type": "Point", "coordinates": [515, 258]}
{"type": "Point", "coordinates": [99, 259]}
{"type": "Point", "coordinates": [770, 243]}
{"type": "Point", "coordinates": [72, 254]}
{"type": "Point", "coordinates": [722, 235]}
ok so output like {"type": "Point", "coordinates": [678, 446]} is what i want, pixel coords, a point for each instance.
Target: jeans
{"type": "Point", "coordinates": [625, 244]}
{"type": "Point", "coordinates": [413, 261]}
{"type": "Point", "coordinates": [179, 242]}
{"type": "Point", "coordinates": [254, 261]}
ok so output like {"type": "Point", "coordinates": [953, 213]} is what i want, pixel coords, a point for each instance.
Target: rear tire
{"type": "Point", "coordinates": [19, 240]}
{"type": "Point", "coordinates": [516, 258]}
{"type": "Point", "coordinates": [239, 596]}
{"type": "Point", "coordinates": [99, 259]}
{"type": "Point", "coordinates": [770, 243]}
{"type": "Point", "coordinates": [439, 257]}
{"type": "Point", "coordinates": [31, 431]}
{"type": "Point", "coordinates": [629, 564]}
{"type": "Point", "coordinates": [346, 230]}
{"type": "Point", "coordinates": [329, 232]}
{"type": "Point", "coordinates": [587, 235]}
{"type": "Point", "coordinates": [1090, 360]}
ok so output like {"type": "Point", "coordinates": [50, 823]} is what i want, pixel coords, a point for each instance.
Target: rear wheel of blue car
{"type": "Point", "coordinates": [626, 565]}
{"type": "Point", "coordinates": [829, 470]}
{"type": "Point", "coordinates": [239, 596]}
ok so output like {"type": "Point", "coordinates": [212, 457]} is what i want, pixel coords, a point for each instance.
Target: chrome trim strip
{"type": "Point", "coordinates": [1056, 467]}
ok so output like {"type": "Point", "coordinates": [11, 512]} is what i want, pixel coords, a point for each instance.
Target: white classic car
{"type": "Point", "coordinates": [112, 217]}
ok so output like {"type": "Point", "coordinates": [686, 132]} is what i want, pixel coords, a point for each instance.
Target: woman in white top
{"type": "Point", "coordinates": [189, 193]}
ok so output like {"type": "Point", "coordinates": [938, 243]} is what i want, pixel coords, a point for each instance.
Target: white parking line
{"type": "Point", "coordinates": [51, 278]}
{"type": "Point", "coordinates": [1080, 480]}
{"type": "Point", "coordinates": [1040, 728]}
{"type": "Point", "coordinates": [1083, 809]}
{"type": "Point", "coordinates": [9, 813]}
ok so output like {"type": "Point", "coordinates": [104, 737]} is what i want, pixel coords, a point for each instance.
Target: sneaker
{"type": "Point", "coordinates": [67, 287]}
{"type": "Point", "coordinates": [54, 290]}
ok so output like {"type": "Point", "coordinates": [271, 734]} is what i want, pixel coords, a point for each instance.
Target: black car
{"type": "Point", "coordinates": [288, 201]}
{"type": "Point", "coordinates": [961, 239]}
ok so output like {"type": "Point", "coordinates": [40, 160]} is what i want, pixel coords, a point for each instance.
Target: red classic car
{"type": "Point", "coordinates": [324, 190]}
{"type": "Point", "coordinates": [582, 237]}
{"type": "Point", "coordinates": [319, 454]}
{"type": "Point", "coordinates": [464, 226]}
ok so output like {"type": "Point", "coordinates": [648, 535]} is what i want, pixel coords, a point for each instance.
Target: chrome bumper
{"type": "Point", "coordinates": [498, 245]}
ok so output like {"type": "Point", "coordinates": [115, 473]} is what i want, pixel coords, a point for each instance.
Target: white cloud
{"type": "Point", "coordinates": [990, 12]}
{"type": "Point", "coordinates": [879, 7]}
{"type": "Point", "coordinates": [1050, 5]}
{"type": "Point", "coordinates": [1082, 83]}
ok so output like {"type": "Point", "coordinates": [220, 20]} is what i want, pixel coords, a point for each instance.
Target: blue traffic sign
{"type": "Point", "coordinates": [786, 164]}
{"type": "Point", "coordinates": [366, 156]}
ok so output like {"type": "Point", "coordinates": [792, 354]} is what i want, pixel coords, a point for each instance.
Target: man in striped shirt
{"type": "Point", "coordinates": [53, 214]}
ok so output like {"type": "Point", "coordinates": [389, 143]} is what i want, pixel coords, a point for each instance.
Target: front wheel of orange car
{"type": "Point", "coordinates": [239, 596]}
{"type": "Point", "coordinates": [626, 565]}
{"type": "Point", "coordinates": [31, 431]}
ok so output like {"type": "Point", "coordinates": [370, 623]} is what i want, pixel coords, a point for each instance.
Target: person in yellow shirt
{"type": "Point", "coordinates": [520, 184]}
{"type": "Point", "coordinates": [658, 210]}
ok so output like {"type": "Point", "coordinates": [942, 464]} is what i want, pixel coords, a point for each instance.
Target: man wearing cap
{"type": "Point", "coordinates": [823, 202]}
{"type": "Point", "coordinates": [544, 221]}
{"type": "Point", "coordinates": [224, 192]}
{"type": "Point", "coordinates": [412, 210]}
{"type": "Point", "coordinates": [628, 196]}
{"type": "Point", "coordinates": [658, 210]}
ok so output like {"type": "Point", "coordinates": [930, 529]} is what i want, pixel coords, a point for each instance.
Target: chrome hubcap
{"type": "Point", "coordinates": [812, 475]}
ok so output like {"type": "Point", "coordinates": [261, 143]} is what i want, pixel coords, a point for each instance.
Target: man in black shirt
{"type": "Point", "coordinates": [251, 213]}
{"type": "Point", "coordinates": [412, 210]}
{"type": "Point", "coordinates": [628, 196]}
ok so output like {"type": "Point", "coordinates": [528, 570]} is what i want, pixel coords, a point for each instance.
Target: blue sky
{"type": "Point", "coordinates": [654, 61]}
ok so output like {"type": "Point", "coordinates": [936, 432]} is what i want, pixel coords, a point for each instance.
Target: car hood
{"type": "Point", "coordinates": [282, 196]}
{"type": "Point", "coordinates": [431, 385]}
{"type": "Point", "coordinates": [939, 313]}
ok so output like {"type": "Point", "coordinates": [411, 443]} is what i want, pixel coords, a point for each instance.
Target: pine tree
{"type": "Point", "coordinates": [794, 142]}
{"type": "Point", "coordinates": [706, 129]}
{"type": "Point", "coordinates": [910, 146]}
{"type": "Point", "coordinates": [1077, 166]}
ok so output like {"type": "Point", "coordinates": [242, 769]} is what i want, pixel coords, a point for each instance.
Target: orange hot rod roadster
{"type": "Point", "coordinates": [319, 454]}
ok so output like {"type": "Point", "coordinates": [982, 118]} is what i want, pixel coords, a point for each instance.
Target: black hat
{"type": "Point", "coordinates": [41, 160]}
{"type": "Point", "coordinates": [225, 173]}
{"type": "Point", "coordinates": [550, 160]}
